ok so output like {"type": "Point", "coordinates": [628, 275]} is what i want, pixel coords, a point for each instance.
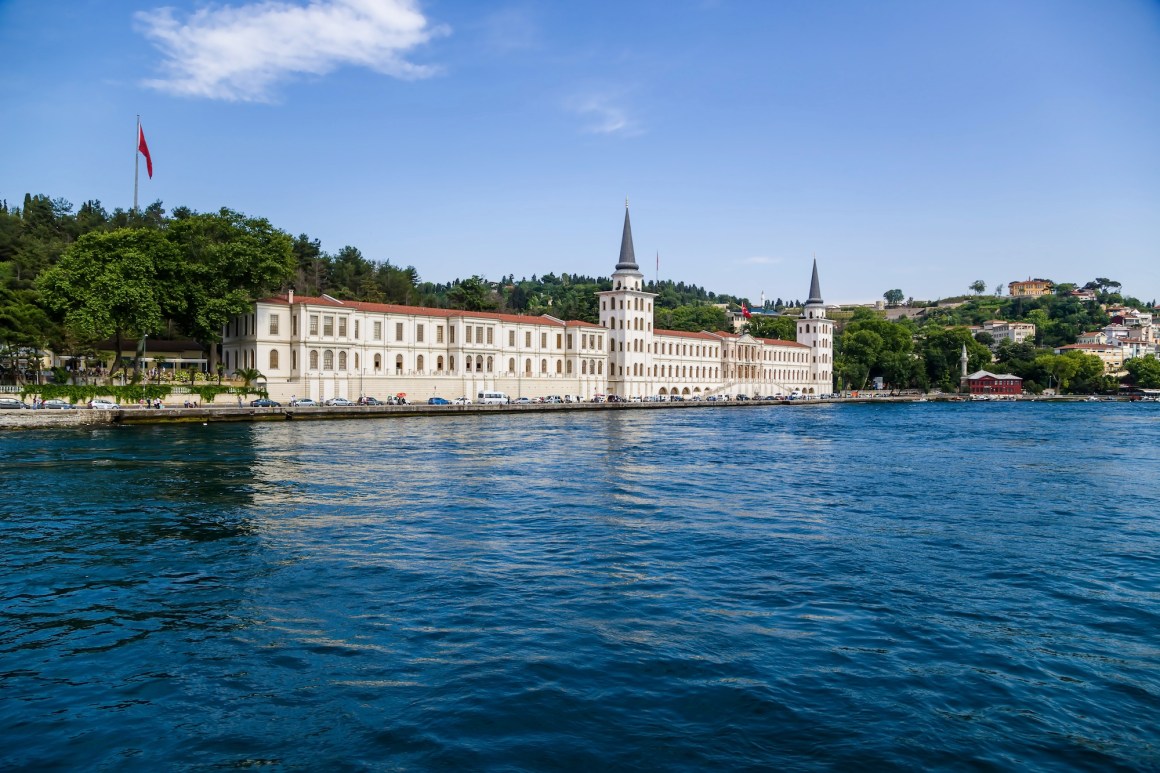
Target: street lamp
{"type": "Point", "coordinates": [144, 348]}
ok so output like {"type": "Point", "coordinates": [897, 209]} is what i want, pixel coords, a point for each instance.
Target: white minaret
{"type": "Point", "coordinates": [626, 311]}
{"type": "Point", "coordinates": [817, 332]}
{"type": "Point", "coordinates": [963, 360]}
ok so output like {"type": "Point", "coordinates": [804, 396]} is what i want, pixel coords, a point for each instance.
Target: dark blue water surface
{"type": "Point", "coordinates": [829, 587]}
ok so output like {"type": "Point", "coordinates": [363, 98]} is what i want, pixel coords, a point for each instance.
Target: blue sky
{"type": "Point", "coordinates": [918, 145]}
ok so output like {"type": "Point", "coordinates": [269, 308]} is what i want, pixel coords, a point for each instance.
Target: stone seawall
{"type": "Point", "coordinates": [84, 417]}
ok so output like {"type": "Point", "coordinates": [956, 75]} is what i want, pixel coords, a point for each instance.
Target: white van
{"type": "Point", "coordinates": [492, 398]}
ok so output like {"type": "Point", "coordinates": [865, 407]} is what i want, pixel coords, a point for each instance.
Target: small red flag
{"type": "Point", "coordinates": [143, 149]}
{"type": "Point", "coordinates": [745, 312]}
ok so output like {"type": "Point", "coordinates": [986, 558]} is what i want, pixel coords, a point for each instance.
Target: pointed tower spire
{"type": "Point", "coordinates": [627, 254]}
{"type": "Point", "coordinates": [815, 286]}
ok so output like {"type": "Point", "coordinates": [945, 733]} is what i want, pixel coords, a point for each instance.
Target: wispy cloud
{"type": "Point", "coordinates": [509, 30]}
{"type": "Point", "coordinates": [240, 53]}
{"type": "Point", "coordinates": [604, 114]}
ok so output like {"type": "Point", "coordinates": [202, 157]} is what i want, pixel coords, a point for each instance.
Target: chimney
{"type": "Point", "coordinates": [290, 296]}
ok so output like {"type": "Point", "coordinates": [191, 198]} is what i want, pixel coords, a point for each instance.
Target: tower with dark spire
{"type": "Point", "coordinates": [626, 311]}
{"type": "Point", "coordinates": [627, 260]}
{"type": "Point", "coordinates": [817, 332]}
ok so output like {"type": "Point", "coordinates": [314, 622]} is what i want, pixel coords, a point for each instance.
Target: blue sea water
{"type": "Point", "coordinates": [962, 586]}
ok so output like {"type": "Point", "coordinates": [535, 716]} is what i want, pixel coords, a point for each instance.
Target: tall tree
{"type": "Point", "coordinates": [111, 284]}
{"type": "Point", "coordinates": [228, 260]}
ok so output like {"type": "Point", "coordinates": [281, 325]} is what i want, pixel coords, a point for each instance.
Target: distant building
{"type": "Point", "coordinates": [1112, 354]}
{"type": "Point", "coordinates": [983, 382]}
{"type": "Point", "coordinates": [1032, 288]}
{"type": "Point", "coordinates": [1083, 295]}
{"type": "Point", "coordinates": [1015, 332]}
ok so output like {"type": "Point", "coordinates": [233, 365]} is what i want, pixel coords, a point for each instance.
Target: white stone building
{"type": "Point", "coordinates": [322, 347]}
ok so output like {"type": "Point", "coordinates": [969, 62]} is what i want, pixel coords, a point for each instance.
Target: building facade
{"type": "Point", "coordinates": [1032, 288]}
{"type": "Point", "coordinates": [323, 347]}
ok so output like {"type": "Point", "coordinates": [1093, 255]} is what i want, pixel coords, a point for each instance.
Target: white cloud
{"type": "Point", "coordinates": [240, 53]}
{"type": "Point", "coordinates": [604, 115]}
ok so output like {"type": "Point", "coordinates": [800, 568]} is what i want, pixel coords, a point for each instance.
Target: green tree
{"type": "Point", "coordinates": [770, 326]}
{"type": "Point", "coordinates": [979, 286]}
{"type": "Point", "coordinates": [248, 376]}
{"type": "Point", "coordinates": [692, 318]}
{"type": "Point", "coordinates": [893, 297]}
{"type": "Point", "coordinates": [472, 294]}
{"type": "Point", "coordinates": [107, 285]}
{"type": "Point", "coordinates": [1144, 372]}
{"type": "Point", "coordinates": [228, 261]}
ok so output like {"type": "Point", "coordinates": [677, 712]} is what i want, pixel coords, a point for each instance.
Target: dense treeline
{"type": "Point", "coordinates": [72, 280]}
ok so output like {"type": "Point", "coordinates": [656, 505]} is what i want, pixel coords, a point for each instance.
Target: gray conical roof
{"type": "Point", "coordinates": [815, 287]}
{"type": "Point", "coordinates": [627, 255]}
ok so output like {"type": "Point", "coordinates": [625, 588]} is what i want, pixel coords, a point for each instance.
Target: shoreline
{"type": "Point", "coordinates": [85, 417]}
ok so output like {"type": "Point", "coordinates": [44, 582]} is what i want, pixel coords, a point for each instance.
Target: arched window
{"type": "Point", "coordinates": [439, 363]}
{"type": "Point", "coordinates": [543, 366]}
{"type": "Point", "coordinates": [451, 364]}
{"type": "Point", "coordinates": [479, 362]}
{"type": "Point", "coordinates": [378, 362]}
{"type": "Point", "coordinates": [490, 364]}
{"type": "Point", "coordinates": [328, 360]}
{"type": "Point", "coordinates": [468, 363]}
{"type": "Point", "coordinates": [399, 364]}
{"type": "Point", "coordinates": [528, 367]}
{"type": "Point", "coordinates": [512, 365]}
{"type": "Point", "coordinates": [342, 360]}
{"type": "Point", "coordinates": [419, 364]}
{"type": "Point", "coordinates": [314, 359]}
{"type": "Point", "coordinates": [356, 360]}
{"type": "Point", "coordinates": [600, 368]}
{"type": "Point", "coordinates": [273, 359]}
{"type": "Point", "coordinates": [559, 367]}
{"type": "Point", "coordinates": [583, 367]}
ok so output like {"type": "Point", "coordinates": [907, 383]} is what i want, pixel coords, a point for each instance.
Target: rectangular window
{"type": "Point", "coordinates": [328, 326]}
{"type": "Point", "coordinates": [398, 331]}
{"type": "Point", "coordinates": [569, 340]}
{"type": "Point", "coordinates": [450, 340]}
{"type": "Point", "coordinates": [273, 324]}
{"type": "Point", "coordinates": [419, 333]}
{"type": "Point", "coordinates": [479, 335]}
{"type": "Point", "coordinates": [491, 335]}
{"type": "Point", "coordinates": [342, 327]}
{"type": "Point", "coordinates": [294, 324]}
{"type": "Point", "coordinates": [528, 339]}
{"type": "Point", "coordinates": [512, 339]}
{"type": "Point", "coordinates": [356, 330]}
{"type": "Point", "coordinates": [543, 340]}
{"type": "Point", "coordinates": [313, 324]}
{"type": "Point", "coordinates": [467, 333]}
{"type": "Point", "coordinates": [559, 340]}
{"type": "Point", "coordinates": [378, 330]}
{"type": "Point", "coordinates": [438, 334]}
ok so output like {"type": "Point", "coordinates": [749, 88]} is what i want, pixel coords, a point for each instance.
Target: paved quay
{"type": "Point", "coordinates": [84, 417]}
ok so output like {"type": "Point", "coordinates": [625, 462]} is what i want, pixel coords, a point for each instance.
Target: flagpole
{"type": "Point", "coordinates": [136, 161]}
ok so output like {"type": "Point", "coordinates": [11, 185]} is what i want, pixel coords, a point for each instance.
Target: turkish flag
{"type": "Point", "coordinates": [143, 149]}
{"type": "Point", "coordinates": [745, 312]}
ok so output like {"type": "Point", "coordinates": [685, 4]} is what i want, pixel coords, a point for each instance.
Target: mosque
{"type": "Point", "coordinates": [323, 347]}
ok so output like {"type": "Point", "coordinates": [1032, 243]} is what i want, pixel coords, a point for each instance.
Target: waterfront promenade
{"type": "Point", "coordinates": [84, 417]}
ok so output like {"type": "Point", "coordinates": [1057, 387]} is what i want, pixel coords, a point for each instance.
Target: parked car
{"type": "Point", "coordinates": [303, 402]}
{"type": "Point", "coordinates": [103, 404]}
{"type": "Point", "coordinates": [437, 401]}
{"type": "Point", "coordinates": [12, 402]}
{"type": "Point", "coordinates": [370, 401]}
{"type": "Point", "coordinates": [338, 402]}
{"type": "Point", "coordinates": [461, 401]}
{"type": "Point", "coordinates": [522, 401]}
{"type": "Point", "coordinates": [58, 404]}
{"type": "Point", "coordinates": [263, 402]}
